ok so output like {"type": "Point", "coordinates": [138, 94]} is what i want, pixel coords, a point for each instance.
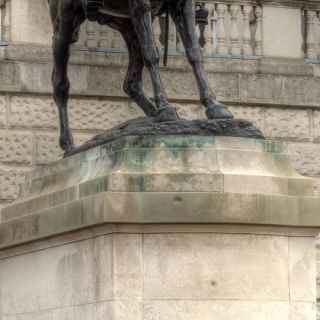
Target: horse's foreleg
{"type": "Point", "coordinates": [64, 30]}
{"type": "Point", "coordinates": [61, 86]}
{"type": "Point", "coordinates": [184, 19]}
{"type": "Point", "coordinates": [133, 84]}
{"type": "Point", "coordinates": [140, 11]}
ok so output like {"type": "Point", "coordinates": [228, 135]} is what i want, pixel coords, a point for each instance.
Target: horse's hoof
{"type": "Point", "coordinates": [67, 146]}
{"type": "Point", "coordinates": [167, 114]}
{"type": "Point", "coordinates": [218, 111]}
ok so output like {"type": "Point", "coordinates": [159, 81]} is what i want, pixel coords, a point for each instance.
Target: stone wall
{"type": "Point", "coordinates": [280, 97]}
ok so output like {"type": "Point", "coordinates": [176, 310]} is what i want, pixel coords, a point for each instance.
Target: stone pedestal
{"type": "Point", "coordinates": [159, 228]}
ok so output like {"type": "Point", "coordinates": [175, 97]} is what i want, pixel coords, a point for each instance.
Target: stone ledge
{"type": "Point", "coordinates": [162, 208]}
{"type": "Point", "coordinates": [267, 82]}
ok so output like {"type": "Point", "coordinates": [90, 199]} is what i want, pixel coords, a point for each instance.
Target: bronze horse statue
{"type": "Point", "coordinates": [133, 19]}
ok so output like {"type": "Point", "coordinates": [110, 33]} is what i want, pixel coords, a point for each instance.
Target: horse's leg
{"type": "Point", "coordinates": [133, 84]}
{"type": "Point", "coordinates": [184, 18]}
{"type": "Point", "coordinates": [66, 18]}
{"type": "Point", "coordinates": [140, 11]}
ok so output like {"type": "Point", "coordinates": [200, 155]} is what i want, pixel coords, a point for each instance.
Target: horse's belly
{"type": "Point", "coordinates": [121, 7]}
{"type": "Point", "coordinates": [118, 7]}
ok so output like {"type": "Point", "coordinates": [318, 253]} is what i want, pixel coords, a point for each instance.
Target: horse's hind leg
{"type": "Point", "coordinates": [66, 18]}
{"type": "Point", "coordinates": [184, 19]}
{"type": "Point", "coordinates": [133, 84]}
{"type": "Point", "coordinates": [140, 11]}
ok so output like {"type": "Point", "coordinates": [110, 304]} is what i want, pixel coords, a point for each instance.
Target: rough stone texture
{"type": "Point", "coordinates": [100, 114]}
{"type": "Point", "coordinates": [16, 147]}
{"type": "Point", "coordinates": [305, 157]}
{"type": "Point", "coordinates": [316, 119]}
{"type": "Point", "coordinates": [9, 183]}
{"type": "Point", "coordinates": [288, 124]}
{"type": "Point", "coordinates": [253, 114]}
{"type": "Point", "coordinates": [32, 112]}
{"type": "Point", "coordinates": [47, 146]}
{"type": "Point", "coordinates": [3, 111]}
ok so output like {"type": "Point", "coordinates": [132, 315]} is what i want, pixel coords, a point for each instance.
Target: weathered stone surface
{"type": "Point", "coordinates": [304, 156]}
{"type": "Point", "coordinates": [302, 269]}
{"type": "Point", "coordinates": [9, 183]}
{"type": "Point", "coordinates": [48, 149]}
{"type": "Point", "coordinates": [169, 277]}
{"type": "Point", "coordinates": [278, 89]}
{"type": "Point", "coordinates": [26, 29]}
{"type": "Point", "coordinates": [41, 315]}
{"type": "Point", "coordinates": [222, 310]}
{"type": "Point", "coordinates": [262, 88]}
{"type": "Point", "coordinates": [253, 114]}
{"type": "Point", "coordinates": [286, 123]}
{"type": "Point", "coordinates": [75, 274]}
{"type": "Point", "coordinates": [3, 111]}
{"type": "Point", "coordinates": [277, 42]}
{"type": "Point", "coordinates": [316, 121]}
{"type": "Point", "coordinates": [101, 114]}
{"type": "Point", "coordinates": [302, 311]}
{"type": "Point", "coordinates": [153, 275]}
{"type": "Point", "coordinates": [317, 185]}
{"type": "Point", "coordinates": [9, 75]}
{"type": "Point", "coordinates": [16, 147]}
{"type": "Point", "coordinates": [128, 266]}
{"type": "Point", "coordinates": [238, 169]}
{"type": "Point", "coordinates": [33, 112]}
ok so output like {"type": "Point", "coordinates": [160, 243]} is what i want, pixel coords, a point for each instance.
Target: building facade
{"type": "Point", "coordinates": [262, 58]}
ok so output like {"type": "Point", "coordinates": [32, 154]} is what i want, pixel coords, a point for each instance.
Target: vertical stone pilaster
{"type": "Point", "coordinates": [234, 30]}
{"type": "Point", "coordinates": [259, 32]}
{"type": "Point", "coordinates": [222, 48]}
{"type": "Point", "coordinates": [104, 37]}
{"type": "Point", "coordinates": [311, 43]}
{"type": "Point", "coordinates": [247, 48]}
{"type": "Point", "coordinates": [91, 32]}
{"type": "Point", "coordinates": [209, 49]}
{"type": "Point", "coordinates": [5, 21]}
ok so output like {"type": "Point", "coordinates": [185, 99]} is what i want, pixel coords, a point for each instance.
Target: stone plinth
{"type": "Point", "coordinates": [161, 228]}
